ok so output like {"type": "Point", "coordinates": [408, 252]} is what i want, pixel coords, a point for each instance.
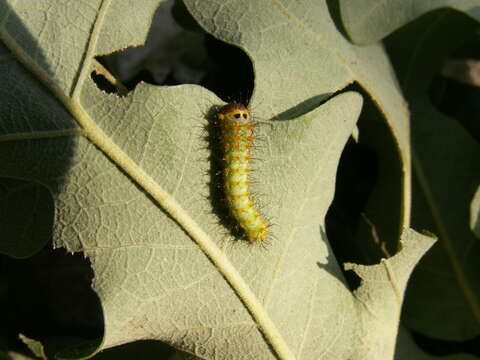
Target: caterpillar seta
{"type": "Point", "coordinates": [237, 137]}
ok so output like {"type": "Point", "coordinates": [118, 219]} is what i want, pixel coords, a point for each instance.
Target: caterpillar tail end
{"type": "Point", "coordinates": [257, 236]}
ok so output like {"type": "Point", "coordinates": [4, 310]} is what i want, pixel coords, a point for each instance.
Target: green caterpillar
{"type": "Point", "coordinates": [237, 138]}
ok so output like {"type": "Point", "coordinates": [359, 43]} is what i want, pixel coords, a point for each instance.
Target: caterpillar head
{"type": "Point", "coordinates": [234, 113]}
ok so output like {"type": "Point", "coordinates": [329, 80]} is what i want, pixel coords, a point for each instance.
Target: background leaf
{"type": "Point", "coordinates": [446, 172]}
{"type": "Point", "coordinates": [368, 21]}
{"type": "Point", "coordinates": [132, 184]}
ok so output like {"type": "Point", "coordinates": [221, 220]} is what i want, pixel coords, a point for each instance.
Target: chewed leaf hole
{"type": "Point", "coordinates": [177, 51]}
{"type": "Point", "coordinates": [50, 293]}
{"type": "Point", "coordinates": [368, 181]}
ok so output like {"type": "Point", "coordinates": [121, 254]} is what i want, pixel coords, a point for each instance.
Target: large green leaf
{"type": "Point", "coordinates": [130, 179]}
{"type": "Point", "coordinates": [368, 21]}
{"type": "Point", "coordinates": [446, 167]}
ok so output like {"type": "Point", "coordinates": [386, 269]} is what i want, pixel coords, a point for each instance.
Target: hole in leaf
{"type": "Point", "coordinates": [356, 178]}
{"type": "Point", "coordinates": [177, 51]}
{"type": "Point", "coordinates": [51, 300]}
{"type": "Point", "coordinates": [362, 223]}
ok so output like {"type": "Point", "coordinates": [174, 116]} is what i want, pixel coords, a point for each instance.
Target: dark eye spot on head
{"type": "Point", "coordinates": [244, 115]}
{"type": "Point", "coordinates": [237, 116]}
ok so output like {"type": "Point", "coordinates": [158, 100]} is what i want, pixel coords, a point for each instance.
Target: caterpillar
{"type": "Point", "coordinates": [237, 137]}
